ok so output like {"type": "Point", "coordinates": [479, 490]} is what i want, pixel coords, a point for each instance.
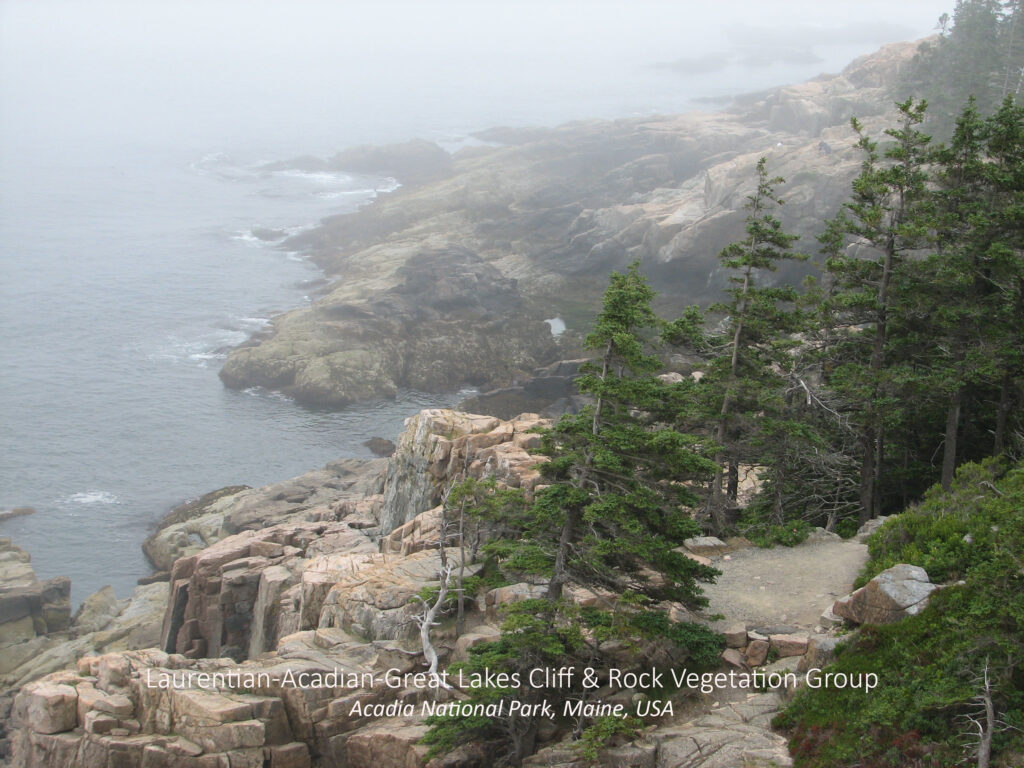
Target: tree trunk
{"type": "Point", "coordinates": [524, 738]}
{"type": "Point", "coordinates": [867, 475]}
{"type": "Point", "coordinates": [1002, 413]}
{"type": "Point", "coordinates": [427, 623]}
{"type": "Point", "coordinates": [560, 575]}
{"type": "Point", "coordinates": [952, 428]}
{"type": "Point", "coordinates": [460, 618]}
{"type": "Point", "coordinates": [876, 484]}
{"type": "Point", "coordinates": [717, 502]}
{"type": "Point", "coordinates": [871, 469]}
{"type": "Point", "coordinates": [733, 488]}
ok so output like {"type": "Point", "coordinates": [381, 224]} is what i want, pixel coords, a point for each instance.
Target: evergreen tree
{"type": "Point", "coordinates": [614, 510]}
{"type": "Point", "coordinates": [745, 374]}
{"type": "Point", "coordinates": [1003, 266]}
{"type": "Point", "coordinates": [617, 499]}
{"type": "Point", "coordinates": [978, 54]}
{"type": "Point", "coordinates": [889, 215]}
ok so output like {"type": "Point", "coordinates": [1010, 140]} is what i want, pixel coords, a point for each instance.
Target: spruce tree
{"type": "Point", "coordinates": [612, 515]}
{"type": "Point", "coordinates": [1004, 262]}
{"type": "Point", "coordinates": [619, 483]}
{"type": "Point", "coordinates": [752, 349]}
{"type": "Point", "coordinates": [889, 215]}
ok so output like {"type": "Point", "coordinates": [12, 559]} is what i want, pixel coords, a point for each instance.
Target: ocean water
{"type": "Point", "coordinates": [124, 285]}
{"type": "Point", "coordinates": [131, 140]}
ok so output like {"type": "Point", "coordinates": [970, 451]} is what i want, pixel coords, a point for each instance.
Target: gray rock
{"type": "Point", "coordinates": [97, 611]}
{"type": "Point", "coordinates": [708, 546]}
{"type": "Point", "coordinates": [892, 595]}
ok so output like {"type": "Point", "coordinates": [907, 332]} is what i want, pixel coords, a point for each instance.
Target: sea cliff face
{"type": "Point", "coordinates": [446, 282]}
{"type": "Point", "coordinates": [293, 641]}
{"type": "Point", "coordinates": [317, 578]}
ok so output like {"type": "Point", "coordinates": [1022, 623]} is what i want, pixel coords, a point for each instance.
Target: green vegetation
{"type": "Point", "coordinates": [932, 666]}
{"type": "Point", "coordinates": [979, 53]}
{"type": "Point", "coordinates": [612, 514]}
{"type": "Point", "coordinates": [895, 376]}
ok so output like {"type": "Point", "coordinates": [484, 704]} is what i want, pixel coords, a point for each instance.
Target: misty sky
{"type": "Point", "coordinates": [311, 74]}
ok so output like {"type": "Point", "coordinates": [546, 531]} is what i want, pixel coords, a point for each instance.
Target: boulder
{"type": "Point", "coordinates": [734, 658]}
{"type": "Point", "coordinates": [391, 743]}
{"type": "Point", "coordinates": [757, 652]}
{"type": "Point", "coordinates": [706, 546]}
{"type": "Point", "coordinates": [788, 645]}
{"type": "Point", "coordinates": [46, 707]}
{"type": "Point", "coordinates": [866, 530]}
{"type": "Point", "coordinates": [736, 636]}
{"type": "Point", "coordinates": [97, 611]}
{"type": "Point", "coordinates": [821, 650]}
{"type": "Point", "coordinates": [892, 595]}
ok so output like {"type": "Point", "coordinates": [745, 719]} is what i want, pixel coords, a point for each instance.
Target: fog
{"type": "Point", "coordinates": [308, 76]}
{"type": "Point", "coordinates": [131, 138]}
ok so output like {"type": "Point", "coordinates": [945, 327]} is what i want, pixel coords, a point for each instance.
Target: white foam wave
{"type": "Point", "coordinates": [266, 394]}
{"type": "Point", "coordinates": [210, 346]}
{"type": "Point", "coordinates": [319, 177]}
{"type": "Point", "coordinates": [249, 238]}
{"type": "Point", "coordinates": [252, 324]}
{"type": "Point", "coordinates": [90, 497]}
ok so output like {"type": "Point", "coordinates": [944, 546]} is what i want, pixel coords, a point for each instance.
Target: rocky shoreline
{"type": "Point", "coordinates": [318, 574]}
{"type": "Point", "coordinates": [447, 281]}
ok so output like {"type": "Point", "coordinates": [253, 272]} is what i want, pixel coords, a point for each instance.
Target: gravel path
{"type": "Point", "coordinates": [784, 586]}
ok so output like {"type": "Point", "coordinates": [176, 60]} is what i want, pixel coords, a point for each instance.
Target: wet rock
{"type": "Point", "coordinates": [446, 320]}
{"type": "Point", "coordinates": [380, 447]}
{"type": "Point", "coordinates": [7, 514]}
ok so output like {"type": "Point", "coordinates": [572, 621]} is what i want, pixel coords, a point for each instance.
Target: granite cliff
{"type": "Point", "coordinates": [447, 281]}
{"type": "Point", "coordinates": [208, 670]}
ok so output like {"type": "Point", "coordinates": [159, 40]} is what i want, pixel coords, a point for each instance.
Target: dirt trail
{"type": "Point", "coordinates": [784, 586]}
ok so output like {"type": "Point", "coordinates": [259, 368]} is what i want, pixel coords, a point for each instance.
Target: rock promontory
{"type": "Point", "coordinates": [446, 282]}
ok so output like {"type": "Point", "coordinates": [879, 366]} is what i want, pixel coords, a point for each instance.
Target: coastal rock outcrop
{"type": "Point", "coordinates": [446, 283]}
{"type": "Point", "coordinates": [29, 607]}
{"type": "Point", "coordinates": [325, 565]}
{"type": "Point", "coordinates": [230, 599]}
{"type": "Point", "coordinates": [319, 581]}
{"type": "Point", "coordinates": [313, 496]}
{"type": "Point", "coordinates": [440, 319]}
{"type": "Point", "coordinates": [438, 446]}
